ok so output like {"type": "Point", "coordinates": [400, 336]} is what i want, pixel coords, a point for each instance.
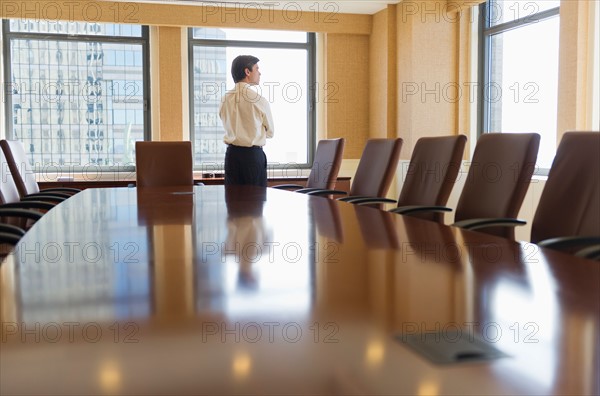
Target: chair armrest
{"type": "Point", "coordinates": [327, 192]}
{"type": "Point", "coordinates": [306, 190]}
{"type": "Point", "coordinates": [9, 238]}
{"type": "Point", "coordinates": [419, 208]}
{"type": "Point", "coordinates": [352, 198]}
{"type": "Point", "coordinates": [43, 198]}
{"type": "Point", "coordinates": [288, 186]}
{"type": "Point", "coordinates": [48, 194]}
{"type": "Point", "coordinates": [590, 252]}
{"type": "Point", "coordinates": [12, 229]}
{"type": "Point", "coordinates": [370, 200]}
{"type": "Point", "coordinates": [18, 212]}
{"type": "Point", "coordinates": [569, 242]}
{"type": "Point", "coordinates": [66, 190]}
{"type": "Point", "coordinates": [475, 224]}
{"type": "Point", "coordinates": [28, 205]}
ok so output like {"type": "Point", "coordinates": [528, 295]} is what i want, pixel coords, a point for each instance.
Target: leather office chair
{"type": "Point", "coordinates": [9, 193]}
{"type": "Point", "coordinates": [15, 211]}
{"type": "Point", "coordinates": [7, 241]}
{"type": "Point", "coordinates": [497, 181]}
{"type": "Point", "coordinates": [23, 175]}
{"type": "Point", "coordinates": [11, 229]}
{"type": "Point", "coordinates": [325, 168]}
{"type": "Point", "coordinates": [432, 172]}
{"type": "Point", "coordinates": [496, 184]}
{"type": "Point", "coordinates": [375, 171]}
{"type": "Point", "coordinates": [7, 238]}
{"type": "Point", "coordinates": [17, 215]}
{"type": "Point", "coordinates": [570, 202]}
{"type": "Point", "coordinates": [164, 164]}
{"type": "Point", "coordinates": [568, 213]}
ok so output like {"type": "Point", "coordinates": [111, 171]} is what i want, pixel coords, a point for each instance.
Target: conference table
{"type": "Point", "coordinates": [247, 290]}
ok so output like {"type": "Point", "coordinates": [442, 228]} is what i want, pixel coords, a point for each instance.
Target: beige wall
{"type": "Point", "coordinates": [383, 105]}
{"type": "Point", "coordinates": [347, 73]}
{"type": "Point", "coordinates": [170, 14]}
{"type": "Point", "coordinates": [378, 76]}
{"type": "Point", "coordinates": [169, 86]}
{"type": "Point", "coordinates": [427, 69]}
{"type": "Point", "coordinates": [576, 54]}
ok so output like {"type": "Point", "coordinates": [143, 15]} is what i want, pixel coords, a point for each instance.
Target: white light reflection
{"type": "Point", "coordinates": [526, 317]}
{"type": "Point", "coordinates": [270, 272]}
{"type": "Point", "coordinates": [279, 286]}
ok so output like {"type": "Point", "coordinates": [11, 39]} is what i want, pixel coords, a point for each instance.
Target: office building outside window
{"type": "Point", "coordinates": [287, 82]}
{"type": "Point", "coordinates": [76, 92]}
{"type": "Point", "coordinates": [519, 68]}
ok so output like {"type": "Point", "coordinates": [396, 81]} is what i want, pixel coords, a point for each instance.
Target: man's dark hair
{"type": "Point", "coordinates": [239, 66]}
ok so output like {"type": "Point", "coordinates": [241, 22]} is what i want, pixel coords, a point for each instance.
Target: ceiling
{"type": "Point", "coordinates": [348, 6]}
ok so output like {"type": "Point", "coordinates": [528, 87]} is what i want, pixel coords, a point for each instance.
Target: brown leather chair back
{"type": "Point", "coordinates": [431, 174]}
{"type": "Point", "coordinates": [326, 165]}
{"type": "Point", "coordinates": [376, 168]}
{"type": "Point", "coordinates": [8, 189]}
{"type": "Point", "coordinates": [163, 164]}
{"type": "Point", "coordinates": [498, 178]}
{"type": "Point", "coordinates": [18, 164]}
{"type": "Point", "coordinates": [10, 194]}
{"type": "Point", "coordinates": [570, 202]}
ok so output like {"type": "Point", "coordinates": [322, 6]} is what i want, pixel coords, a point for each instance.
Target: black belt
{"type": "Point", "coordinates": [246, 147]}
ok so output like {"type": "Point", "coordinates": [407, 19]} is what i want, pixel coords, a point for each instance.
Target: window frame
{"type": "Point", "coordinates": [485, 34]}
{"type": "Point", "coordinates": [309, 46]}
{"type": "Point", "coordinates": [143, 40]}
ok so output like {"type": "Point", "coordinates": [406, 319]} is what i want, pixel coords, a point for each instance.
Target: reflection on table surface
{"type": "Point", "coordinates": [249, 290]}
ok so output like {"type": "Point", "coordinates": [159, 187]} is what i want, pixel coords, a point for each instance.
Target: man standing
{"type": "Point", "coordinates": [248, 122]}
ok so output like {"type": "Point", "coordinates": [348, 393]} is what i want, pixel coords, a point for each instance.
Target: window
{"type": "Point", "coordinates": [77, 92]}
{"type": "Point", "coordinates": [519, 68]}
{"type": "Point", "coordinates": [287, 68]}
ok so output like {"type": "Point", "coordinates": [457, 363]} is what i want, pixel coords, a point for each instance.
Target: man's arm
{"type": "Point", "coordinates": [268, 121]}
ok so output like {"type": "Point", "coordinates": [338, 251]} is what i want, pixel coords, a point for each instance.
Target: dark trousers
{"type": "Point", "coordinates": [245, 165]}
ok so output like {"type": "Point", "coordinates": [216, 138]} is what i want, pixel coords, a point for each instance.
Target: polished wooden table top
{"type": "Point", "coordinates": [209, 290]}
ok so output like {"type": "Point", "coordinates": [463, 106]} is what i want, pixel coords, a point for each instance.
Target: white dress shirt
{"type": "Point", "coordinates": [246, 117]}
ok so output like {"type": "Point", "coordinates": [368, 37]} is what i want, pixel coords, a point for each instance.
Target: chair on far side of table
{"type": "Point", "coordinates": [163, 164]}
{"type": "Point", "coordinates": [431, 174]}
{"type": "Point", "coordinates": [325, 168]}
{"type": "Point", "coordinates": [376, 169]}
